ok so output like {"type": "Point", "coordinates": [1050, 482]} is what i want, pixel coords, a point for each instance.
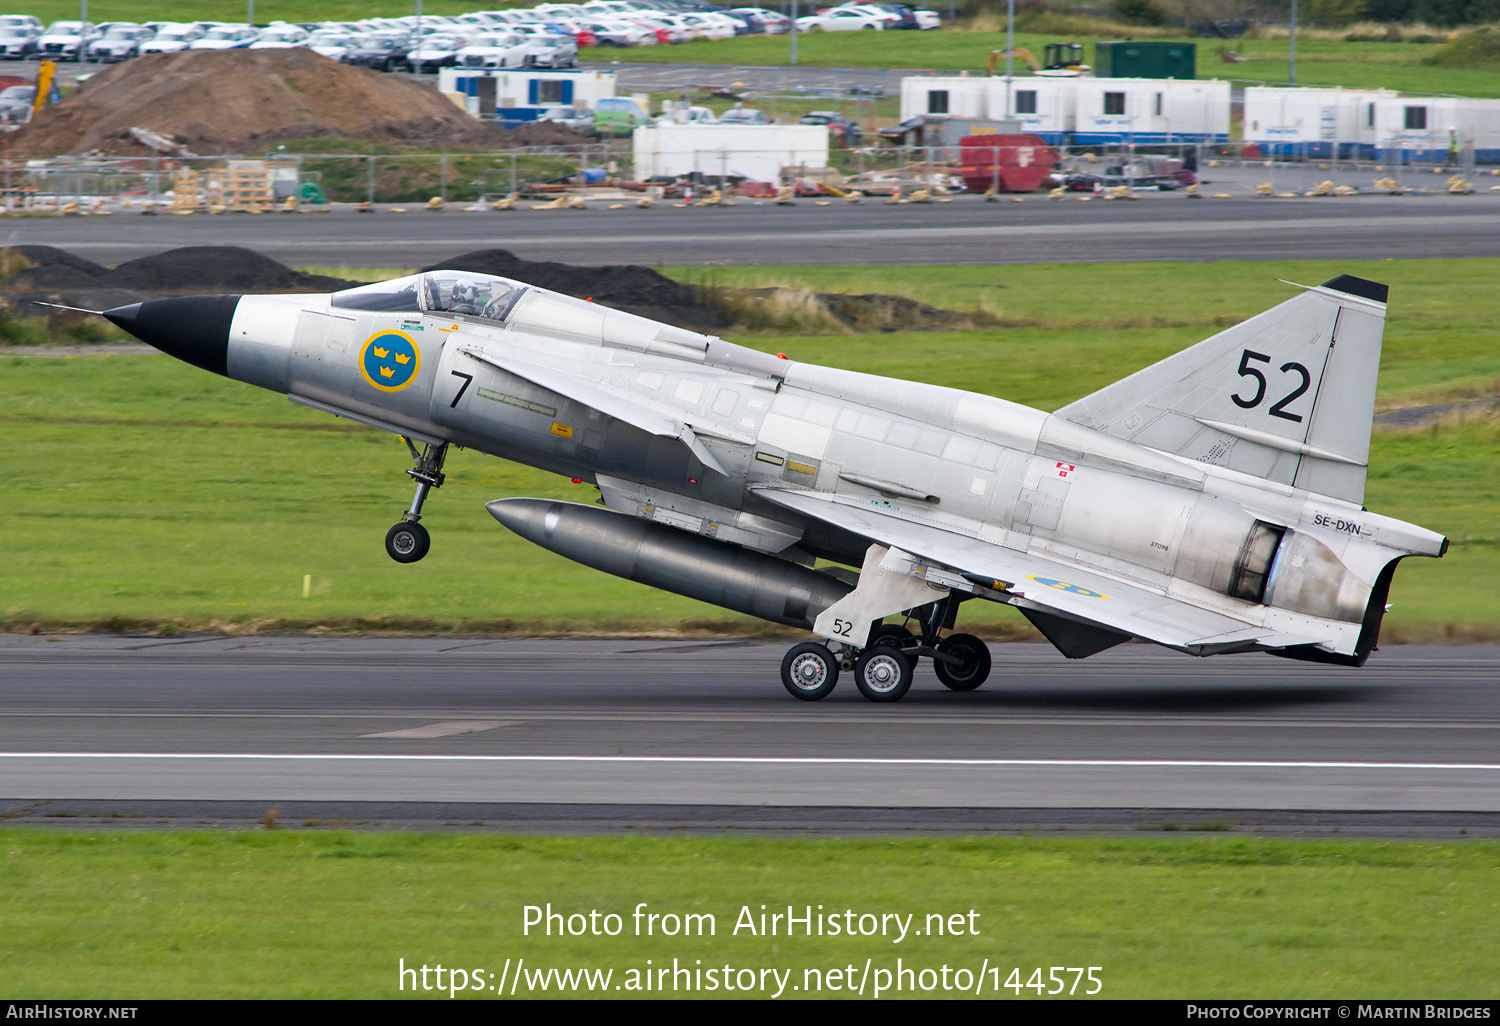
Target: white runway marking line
{"type": "Point", "coordinates": [770, 761]}
{"type": "Point", "coordinates": [447, 729]}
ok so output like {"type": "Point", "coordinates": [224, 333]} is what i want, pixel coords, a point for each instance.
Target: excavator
{"type": "Point", "coordinates": [1064, 60]}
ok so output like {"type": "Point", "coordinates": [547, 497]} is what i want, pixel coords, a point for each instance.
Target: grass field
{"type": "Point", "coordinates": [1319, 61]}
{"type": "Point", "coordinates": [318, 913]}
{"type": "Point", "coordinates": [143, 491]}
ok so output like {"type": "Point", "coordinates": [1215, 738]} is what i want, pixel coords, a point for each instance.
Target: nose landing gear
{"type": "Point", "coordinates": [408, 541]}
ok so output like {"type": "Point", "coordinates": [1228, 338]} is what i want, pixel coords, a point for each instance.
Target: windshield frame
{"type": "Point", "coordinates": [423, 293]}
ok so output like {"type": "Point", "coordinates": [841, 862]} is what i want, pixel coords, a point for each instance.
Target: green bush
{"type": "Point", "coordinates": [1477, 49]}
{"type": "Point", "coordinates": [1138, 12]}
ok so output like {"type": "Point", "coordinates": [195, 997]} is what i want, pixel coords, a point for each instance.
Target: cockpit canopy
{"type": "Point", "coordinates": [456, 292]}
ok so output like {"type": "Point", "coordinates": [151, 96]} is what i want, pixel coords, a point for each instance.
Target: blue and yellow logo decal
{"type": "Point", "coordinates": [1072, 589]}
{"type": "Point", "coordinates": [390, 360]}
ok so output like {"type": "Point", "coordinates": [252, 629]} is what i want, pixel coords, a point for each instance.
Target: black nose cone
{"type": "Point", "coordinates": [192, 328]}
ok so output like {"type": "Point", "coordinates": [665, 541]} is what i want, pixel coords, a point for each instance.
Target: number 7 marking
{"type": "Point", "coordinates": [468, 380]}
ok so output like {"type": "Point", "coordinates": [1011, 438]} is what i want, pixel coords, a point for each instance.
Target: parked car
{"type": "Point", "coordinates": [547, 49]}
{"type": "Point", "coordinates": [332, 43]}
{"type": "Point", "coordinates": [386, 50]}
{"type": "Point", "coordinates": [17, 43]}
{"type": "Point", "coordinates": [280, 37]}
{"type": "Point", "coordinates": [921, 18]}
{"type": "Point", "coordinates": [15, 104]}
{"type": "Point", "coordinates": [225, 37]}
{"type": "Point", "coordinates": [841, 127]}
{"type": "Point", "coordinates": [744, 116]}
{"type": "Point", "coordinates": [171, 39]}
{"type": "Point", "coordinates": [618, 115]}
{"type": "Point", "coordinates": [888, 16]}
{"type": "Point", "coordinates": [435, 52]}
{"type": "Point", "coordinates": [839, 20]}
{"type": "Point", "coordinates": [581, 120]}
{"type": "Point", "coordinates": [688, 116]}
{"type": "Point", "coordinates": [771, 22]}
{"type": "Point", "coordinates": [22, 21]}
{"type": "Point", "coordinates": [65, 40]}
{"type": "Point", "coordinates": [620, 33]}
{"type": "Point", "coordinates": [493, 50]}
{"type": "Point", "coordinates": [120, 42]}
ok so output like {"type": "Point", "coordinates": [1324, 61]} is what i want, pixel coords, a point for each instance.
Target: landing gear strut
{"type": "Point", "coordinates": [883, 668]}
{"type": "Point", "coordinates": [408, 541]}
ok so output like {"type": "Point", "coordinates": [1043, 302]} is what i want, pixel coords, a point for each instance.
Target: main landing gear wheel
{"type": "Point", "coordinates": [809, 671]}
{"type": "Point", "coordinates": [896, 636]}
{"type": "Point", "coordinates": [973, 667]}
{"type": "Point", "coordinates": [883, 673]}
{"type": "Point", "coordinates": [407, 542]}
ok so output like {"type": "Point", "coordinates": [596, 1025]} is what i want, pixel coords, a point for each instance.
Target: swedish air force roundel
{"type": "Point", "coordinates": [390, 360]}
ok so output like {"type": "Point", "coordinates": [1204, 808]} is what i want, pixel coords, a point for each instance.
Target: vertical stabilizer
{"type": "Point", "coordinates": [1288, 395]}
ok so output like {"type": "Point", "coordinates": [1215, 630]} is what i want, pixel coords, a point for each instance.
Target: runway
{"type": "Point", "coordinates": [471, 724]}
{"type": "Point", "coordinates": [1167, 226]}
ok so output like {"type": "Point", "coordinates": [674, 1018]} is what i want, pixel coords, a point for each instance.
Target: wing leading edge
{"type": "Point", "coordinates": [1046, 586]}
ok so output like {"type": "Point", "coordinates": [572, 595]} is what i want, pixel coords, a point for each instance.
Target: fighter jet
{"type": "Point", "coordinates": [1210, 503]}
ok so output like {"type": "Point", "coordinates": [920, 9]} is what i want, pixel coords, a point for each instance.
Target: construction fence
{"type": "Point", "coordinates": [295, 181]}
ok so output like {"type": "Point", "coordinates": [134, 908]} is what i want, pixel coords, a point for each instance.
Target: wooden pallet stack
{"type": "Point", "coordinates": [245, 187]}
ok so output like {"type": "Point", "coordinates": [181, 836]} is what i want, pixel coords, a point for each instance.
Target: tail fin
{"type": "Point", "coordinates": [1288, 395]}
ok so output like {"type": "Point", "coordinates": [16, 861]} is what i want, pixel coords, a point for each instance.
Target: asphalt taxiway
{"type": "Point", "coordinates": [460, 725]}
{"type": "Point", "coordinates": [1167, 226]}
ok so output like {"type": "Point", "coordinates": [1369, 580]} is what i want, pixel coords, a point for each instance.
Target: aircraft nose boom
{"type": "Point", "coordinates": [194, 329]}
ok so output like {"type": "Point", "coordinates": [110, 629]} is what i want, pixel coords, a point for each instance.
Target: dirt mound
{"type": "Point", "coordinates": [52, 268]}
{"type": "Point", "coordinates": [57, 276]}
{"type": "Point", "coordinates": [241, 101]}
{"type": "Point", "coordinates": [217, 268]}
{"type": "Point", "coordinates": [629, 284]}
{"type": "Point", "coordinates": [643, 291]}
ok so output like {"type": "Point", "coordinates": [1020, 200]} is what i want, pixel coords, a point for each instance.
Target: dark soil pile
{"type": "Point", "coordinates": [629, 287]}
{"type": "Point", "coordinates": [629, 284]}
{"type": "Point", "coordinates": [242, 101]}
{"type": "Point", "coordinates": [217, 269]}
{"type": "Point", "coordinates": [54, 268]}
{"type": "Point", "coordinates": [644, 291]}
{"type": "Point", "coordinates": [57, 276]}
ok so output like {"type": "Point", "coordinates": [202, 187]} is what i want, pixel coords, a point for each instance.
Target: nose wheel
{"type": "Point", "coordinates": [408, 541]}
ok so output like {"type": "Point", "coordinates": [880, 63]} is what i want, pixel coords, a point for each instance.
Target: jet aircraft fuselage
{"type": "Point", "coordinates": [1211, 503]}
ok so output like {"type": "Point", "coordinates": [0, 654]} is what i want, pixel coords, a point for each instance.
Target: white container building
{"type": "Point", "coordinates": [1286, 120]}
{"type": "Point", "coordinates": [1368, 123]}
{"type": "Point", "coordinates": [1426, 127]}
{"type": "Point", "coordinates": [1081, 111]}
{"type": "Point", "coordinates": [1150, 110]}
{"type": "Point", "coordinates": [756, 153]}
{"type": "Point", "coordinates": [520, 96]}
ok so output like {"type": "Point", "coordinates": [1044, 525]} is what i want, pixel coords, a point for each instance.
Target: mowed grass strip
{"type": "Point", "coordinates": [146, 492]}
{"type": "Point", "coordinates": [320, 913]}
{"type": "Point", "coordinates": [1332, 62]}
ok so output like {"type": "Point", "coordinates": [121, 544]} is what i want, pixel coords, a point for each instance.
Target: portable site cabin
{"type": "Point", "coordinates": [1081, 111]}
{"type": "Point", "coordinates": [1424, 127]}
{"type": "Point", "coordinates": [1367, 122]}
{"type": "Point", "coordinates": [1150, 110]}
{"type": "Point", "coordinates": [754, 152]}
{"type": "Point", "coordinates": [515, 97]}
{"type": "Point", "coordinates": [1284, 120]}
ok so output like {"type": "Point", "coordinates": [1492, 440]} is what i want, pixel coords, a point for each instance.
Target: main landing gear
{"type": "Point", "coordinates": [883, 668]}
{"type": "Point", "coordinates": [408, 541]}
